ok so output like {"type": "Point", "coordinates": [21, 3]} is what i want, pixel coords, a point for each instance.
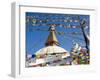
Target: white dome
{"type": "Point", "coordinates": [51, 49]}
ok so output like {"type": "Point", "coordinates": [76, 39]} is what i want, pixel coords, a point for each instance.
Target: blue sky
{"type": "Point", "coordinates": [37, 33]}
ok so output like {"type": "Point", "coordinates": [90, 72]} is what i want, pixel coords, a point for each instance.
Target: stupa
{"type": "Point", "coordinates": [52, 50]}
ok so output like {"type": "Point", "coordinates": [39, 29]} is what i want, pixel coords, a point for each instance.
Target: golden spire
{"type": "Point", "coordinates": [52, 40]}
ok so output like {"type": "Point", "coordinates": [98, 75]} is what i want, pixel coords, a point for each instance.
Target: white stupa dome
{"type": "Point", "coordinates": [51, 49]}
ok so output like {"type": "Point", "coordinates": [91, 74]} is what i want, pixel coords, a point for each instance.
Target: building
{"type": "Point", "coordinates": [52, 54]}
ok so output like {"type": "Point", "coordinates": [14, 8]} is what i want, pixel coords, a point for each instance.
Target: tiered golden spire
{"type": "Point", "coordinates": [52, 40]}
